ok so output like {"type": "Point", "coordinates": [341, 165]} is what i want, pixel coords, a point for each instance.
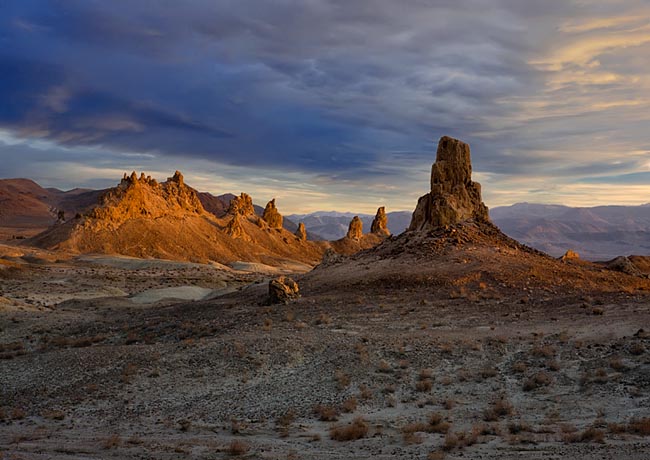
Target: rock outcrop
{"type": "Point", "coordinates": [355, 230]}
{"type": "Point", "coordinates": [454, 197]}
{"type": "Point", "coordinates": [242, 205]}
{"type": "Point", "coordinates": [380, 223]}
{"type": "Point", "coordinates": [301, 232]}
{"type": "Point", "coordinates": [271, 215]}
{"type": "Point", "coordinates": [235, 230]}
{"type": "Point", "coordinates": [570, 255]}
{"type": "Point", "coordinates": [138, 197]}
{"type": "Point", "coordinates": [282, 290]}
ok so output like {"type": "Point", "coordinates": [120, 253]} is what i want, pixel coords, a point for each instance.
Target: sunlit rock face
{"type": "Point", "coordinates": [454, 197]}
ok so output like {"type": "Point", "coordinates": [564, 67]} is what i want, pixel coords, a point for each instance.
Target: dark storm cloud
{"type": "Point", "coordinates": [333, 88]}
{"type": "Point", "coordinates": [309, 85]}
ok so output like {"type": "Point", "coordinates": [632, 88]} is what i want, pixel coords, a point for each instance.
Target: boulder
{"type": "Point", "coordinates": [355, 230]}
{"type": "Point", "coordinates": [301, 232]}
{"type": "Point", "coordinates": [282, 290]}
{"type": "Point", "coordinates": [271, 215]}
{"type": "Point", "coordinates": [380, 223]}
{"type": "Point", "coordinates": [454, 198]}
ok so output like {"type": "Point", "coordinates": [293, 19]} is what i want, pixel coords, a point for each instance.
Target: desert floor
{"type": "Point", "coordinates": [98, 362]}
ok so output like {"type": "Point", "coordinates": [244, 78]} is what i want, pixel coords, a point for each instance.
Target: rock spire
{"type": "Point", "coordinates": [454, 197]}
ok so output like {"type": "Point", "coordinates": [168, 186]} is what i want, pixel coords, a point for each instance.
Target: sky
{"type": "Point", "coordinates": [330, 104]}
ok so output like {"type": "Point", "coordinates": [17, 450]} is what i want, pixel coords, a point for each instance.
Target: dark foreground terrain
{"type": "Point", "coordinates": [481, 366]}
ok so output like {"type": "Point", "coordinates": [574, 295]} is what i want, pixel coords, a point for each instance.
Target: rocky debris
{"type": "Point", "coordinates": [331, 257]}
{"type": "Point", "coordinates": [454, 197]}
{"type": "Point", "coordinates": [235, 230]}
{"type": "Point", "coordinates": [355, 230]}
{"type": "Point", "coordinates": [623, 264]}
{"type": "Point", "coordinates": [570, 255]}
{"type": "Point", "coordinates": [301, 232]}
{"type": "Point", "coordinates": [380, 223]}
{"type": "Point", "coordinates": [242, 205]}
{"type": "Point", "coordinates": [282, 290]}
{"type": "Point", "coordinates": [271, 215]}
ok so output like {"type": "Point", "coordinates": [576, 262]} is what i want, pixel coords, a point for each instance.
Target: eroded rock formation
{"type": "Point", "coordinates": [454, 197]}
{"type": "Point", "coordinates": [301, 232]}
{"type": "Point", "coordinates": [380, 223]}
{"type": "Point", "coordinates": [282, 289]}
{"type": "Point", "coordinates": [355, 230]}
{"type": "Point", "coordinates": [242, 205]}
{"type": "Point", "coordinates": [235, 230]}
{"type": "Point", "coordinates": [570, 255]}
{"type": "Point", "coordinates": [271, 215]}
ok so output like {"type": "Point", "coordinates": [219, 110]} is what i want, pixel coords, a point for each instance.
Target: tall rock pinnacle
{"type": "Point", "coordinates": [380, 222]}
{"type": "Point", "coordinates": [454, 197]}
{"type": "Point", "coordinates": [355, 230]}
{"type": "Point", "coordinates": [301, 232]}
{"type": "Point", "coordinates": [271, 215]}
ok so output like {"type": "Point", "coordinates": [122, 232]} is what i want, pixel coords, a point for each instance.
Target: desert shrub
{"type": "Point", "coordinates": [451, 442]}
{"type": "Point", "coordinates": [617, 364]}
{"type": "Point", "coordinates": [365, 392]}
{"type": "Point", "coordinates": [488, 372]}
{"type": "Point", "coordinates": [356, 430]}
{"type": "Point", "coordinates": [540, 379]}
{"type": "Point", "coordinates": [423, 385]}
{"type": "Point", "coordinates": [448, 404]}
{"type": "Point", "coordinates": [111, 442]}
{"type": "Point", "coordinates": [590, 434]}
{"type": "Point", "coordinates": [342, 378]}
{"type": "Point", "coordinates": [349, 405]}
{"type": "Point", "coordinates": [640, 426]}
{"type": "Point", "coordinates": [543, 351]}
{"type": "Point", "coordinates": [237, 448]}
{"type": "Point", "coordinates": [637, 349]}
{"type": "Point", "coordinates": [326, 413]}
{"type": "Point", "coordinates": [500, 408]}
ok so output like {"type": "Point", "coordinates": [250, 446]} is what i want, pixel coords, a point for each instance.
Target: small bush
{"type": "Point", "coordinates": [544, 351]}
{"type": "Point", "coordinates": [538, 380]}
{"type": "Point", "coordinates": [590, 434]}
{"type": "Point", "coordinates": [111, 442]}
{"type": "Point", "coordinates": [423, 385]}
{"type": "Point", "coordinates": [237, 448]}
{"type": "Point", "coordinates": [617, 364]}
{"type": "Point", "coordinates": [356, 430]}
{"type": "Point", "coordinates": [519, 367]}
{"type": "Point", "coordinates": [349, 405]}
{"type": "Point", "coordinates": [326, 413]}
{"type": "Point", "coordinates": [500, 408]}
{"type": "Point", "coordinates": [637, 349]}
{"type": "Point", "coordinates": [640, 426]}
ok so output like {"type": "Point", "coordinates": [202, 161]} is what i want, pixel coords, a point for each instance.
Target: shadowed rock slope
{"type": "Point", "coordinates": [453, 248]}
{"type": "Point", "coordinates": [143, 218]}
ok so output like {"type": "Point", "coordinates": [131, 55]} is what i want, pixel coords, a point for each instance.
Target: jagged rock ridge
{"type": "Point", "coordinates": [453, 197]}
{"type": "Point", "coordinates": [143, 218]}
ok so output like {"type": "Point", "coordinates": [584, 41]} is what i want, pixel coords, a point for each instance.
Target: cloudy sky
{"type": "Point", "coordinates": [330, 104]}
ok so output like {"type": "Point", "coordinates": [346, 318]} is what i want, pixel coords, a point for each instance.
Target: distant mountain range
{"type": "Point", "coordinates": [597, 233]}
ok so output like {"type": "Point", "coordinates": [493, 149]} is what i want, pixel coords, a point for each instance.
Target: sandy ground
{"type": "Point", "coordinates": [86, 376]}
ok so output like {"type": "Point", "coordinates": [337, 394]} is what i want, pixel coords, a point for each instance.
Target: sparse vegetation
{"type": "Point", "coordinates": [356, 430]}
{"type": "Point", "coordinates": [237, 448]}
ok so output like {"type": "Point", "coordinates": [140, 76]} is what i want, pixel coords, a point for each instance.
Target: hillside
{"type": "Point", "coordinates": [453, 247]}
{"type": "Point", "coordinates": [143, 218]}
